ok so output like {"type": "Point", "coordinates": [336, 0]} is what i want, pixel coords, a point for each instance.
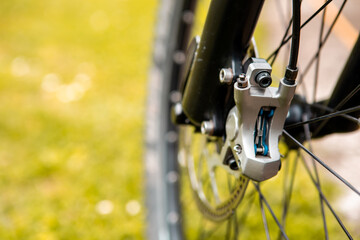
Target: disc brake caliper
{"type": "Point", "coordinates": [255, 124]}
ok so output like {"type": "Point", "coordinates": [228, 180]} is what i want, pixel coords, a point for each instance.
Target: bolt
{"type": "Point", "coordinates": [226, 75]}
{"type": "Point", "coordinates": [175, 96]}
{"type": "Point", "coordinates": [263, 79]}
{"type": "Point", "coordinates": [188, 17]}
{"type": "Point", "coordinates": [177, 109]}
{"type": "Point", "coordinates": [179, 57]}
{"type": "Point", "coordinates": [177, 114]}
{"type": "Point", "coordinates": [241, 80]}
{"type": "Point", "coordinates": [242, 76]}
{"type": "Point", "coordinates": [233, 165]}
{"type": "Point", "coordinates": [207, 127]}
{"type": "Point", "coordinates": [238, 148]}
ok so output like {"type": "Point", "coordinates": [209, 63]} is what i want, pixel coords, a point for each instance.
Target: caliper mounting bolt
{"type": "Point", "coordinates": [233, 165]}
{"type": "Point", "coordinates": [207, 127]}
{"type": "Point", "coordinates": [226, 75]}
{"type": "Point", "coordinates": [238, 148]}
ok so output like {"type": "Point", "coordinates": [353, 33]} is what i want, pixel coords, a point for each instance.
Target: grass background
{"type": "Point", "coordinates": [72, 92]}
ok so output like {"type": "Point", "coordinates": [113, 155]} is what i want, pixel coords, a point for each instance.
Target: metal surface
{"type": "Point", "coordinates": [226, 75]}
{"type": "Point", "coordinates": [189, 62]}
{"type": "Point", "coordinates": [198, 155]}
{"type": "Point", "coordinates": [226, 36]}
{"type": "Point", "coordinates": [236, 155]}
{"type": "Point", "coordinates": [207, 127]}
{"type": "Point", "coordinates": [254, 67]}
{"type": "Point", "coordinates": [254, 163]}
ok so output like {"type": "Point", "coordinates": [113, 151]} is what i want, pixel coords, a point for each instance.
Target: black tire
{"type": "Point", "coordinates": [162, 194]}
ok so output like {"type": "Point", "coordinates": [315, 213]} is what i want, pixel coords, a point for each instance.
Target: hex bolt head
{"type": "Point", "coordinates": [263, 79]}
{"type": "Point", "coordinates": [207, 127]}
{"type": "Point", "coordinates": [233, 165]}
{"type": "Point", "coordinates": [238, 148]}
{"type": "Point", "coordinates": [226, 75]}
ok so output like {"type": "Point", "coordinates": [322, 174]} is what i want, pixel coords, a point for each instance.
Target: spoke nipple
{"type": "Point", "coordinates": [226, 75]}
{"type": "Point", "coordinates": [207, 127]}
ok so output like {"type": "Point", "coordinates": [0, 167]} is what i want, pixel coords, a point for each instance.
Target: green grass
{"type": "Point", "coordinates": [72, 92]}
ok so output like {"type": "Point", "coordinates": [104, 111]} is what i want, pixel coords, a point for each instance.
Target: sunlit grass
{"type": "Point", "coordinates": [72, 92]}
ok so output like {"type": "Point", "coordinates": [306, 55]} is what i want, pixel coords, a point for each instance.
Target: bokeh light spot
{"type": "Point", "coordinates": [20, 67]}
{"type": "Point", "coordinates": [133, 207]}
{"type": "Point", "coordinates": [104, 207]}
{"type": "Point", "coordinates": [83, 80]}
{"type": "Point", "coordinates": [51, 82]}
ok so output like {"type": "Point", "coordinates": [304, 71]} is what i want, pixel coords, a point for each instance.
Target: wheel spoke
{"type": "Point", "coordinates": [347, 98]}
{"type": "Point", "coordinates": [317, 178]}
{"type": "Point", "coordinates": [285, 40]}
{"type": "Point", "coordinates": [338, 106]}
{"type": "Point", "coordinates": [249, 202]}
{"type": "Point", "coordinates": [328, 109]}
{"type": "Point", "coordinates": [274, 55]}
{"type": "Point", "coordinates": [324, 117]}
{"type": "Point", "coordinates": [310, 63]}
{"type": "Point", "coordinates": [333, 23]}
{"type": "Point", "coordinates": [266, 227]}
{"type": "Point", "coordinates": [228, 229]}
{"type": "Point", "coordinates": [288, 191]}
{"type": "Point", "coordinates": [270, 210]}
{"type": "Point", "coordinates": [282, 12]}
{"type": "Point", "coordinates": [322, 163]}
{"type": "Point", "coordinates": [233, 220]}
{"type": "Point", "coordinates": [326, 200]}
{"type": "Point", "coordinates": [201, 229]}
{"type": "Point", "coordinates": [317, 65]}
{"type": "Point", "coordinates": [207, 235]}
{"type": "Point", "coordinates": [236, 229]}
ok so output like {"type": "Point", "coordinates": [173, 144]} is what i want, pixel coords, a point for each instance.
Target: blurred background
{"type": "Point", "coordinates": [72, 91]}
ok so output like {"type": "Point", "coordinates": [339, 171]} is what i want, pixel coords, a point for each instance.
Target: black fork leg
{"type": "Point", "coordinates": [228, 30]}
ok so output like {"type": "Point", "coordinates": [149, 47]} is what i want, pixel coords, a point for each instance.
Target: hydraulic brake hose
{"type": "Point", "coordinates": [291, 70]}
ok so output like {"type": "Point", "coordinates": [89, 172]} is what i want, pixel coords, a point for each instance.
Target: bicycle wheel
{"type": "Point", "coordinates": [190, 196]}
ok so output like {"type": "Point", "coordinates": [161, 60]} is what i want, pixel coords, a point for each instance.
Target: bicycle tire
{"type": "Point", "coordinates": [162, 200]}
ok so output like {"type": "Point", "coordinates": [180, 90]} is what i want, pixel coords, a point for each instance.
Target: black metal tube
{"type": "Point", "coordinates": [295, 40]}
{"type": "Point", "coordinates": [292, 70]}
{"type": "Point", "coordinates": [228, 30]}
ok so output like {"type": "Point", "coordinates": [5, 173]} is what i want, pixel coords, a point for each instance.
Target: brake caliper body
{"type": "Point", "coordinates": [255, 124]}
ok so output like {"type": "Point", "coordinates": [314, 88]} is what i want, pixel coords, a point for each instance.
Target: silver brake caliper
{"type": "Point", "coordinates": [255, 124]}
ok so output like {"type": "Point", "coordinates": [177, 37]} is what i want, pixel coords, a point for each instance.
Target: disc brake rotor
{"type": "Point", "coordinates": [201, 157]}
